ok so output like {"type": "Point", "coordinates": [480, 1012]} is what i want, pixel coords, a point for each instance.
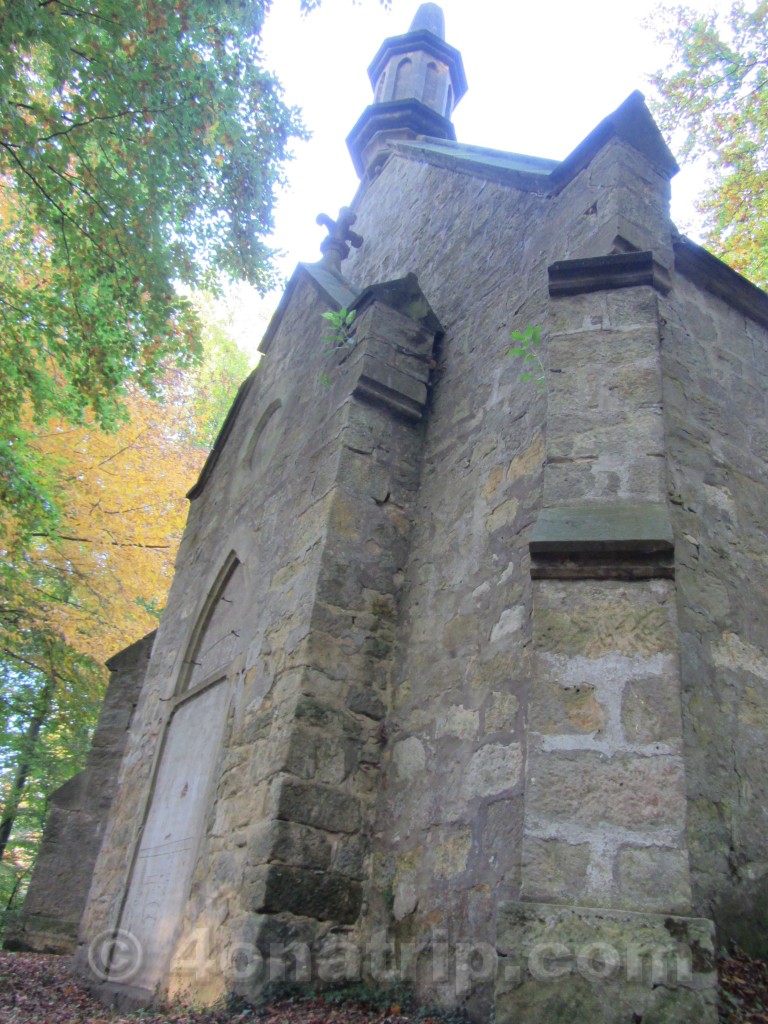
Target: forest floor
{"type": "Point", "coordinates": [38, 988]}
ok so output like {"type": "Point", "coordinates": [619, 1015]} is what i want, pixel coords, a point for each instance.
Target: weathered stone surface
{"type": "Point", "coordinates": [501, 714]}
{"type": "Point", "coordinates": [608, 618]}
{"type": "Point", "coordinates": [638, 793]}
{"type": "Point", "coordinates": [602, 528]}
{"type": "Point", "coordinates": [566, 709]}
{"type": "Point", "coordinates": [324, 895]}
{"type": "Point", "coordinates": [655, 878]}
{"type": "Point", "coordinates": [319, 806]}
{"type": "Point", "coordinates": [650, 711]}
{"type": "Point", "coordinates": [450, 851]}
{"type": "Point", "coordinates": [604, 966]}
{"type": "Point", "coordinates": [409, 757]}
{"type": "Point", "coordinates": [492, 769]}
{"type": "Point", "coordinates": [554, 869]}
{"type": "Point", "coordinates": [458, 721]}
{"type": "Point", "coordinates": [289, 842]}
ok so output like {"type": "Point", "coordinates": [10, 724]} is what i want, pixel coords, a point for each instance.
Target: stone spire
{"type": "Point", "coordinates": [417, 81]}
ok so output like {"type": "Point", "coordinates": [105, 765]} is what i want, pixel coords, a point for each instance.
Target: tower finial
{"type": "Point", "coordinates": [430, 18]}
{"type": "Point", "coordinates": [417, 81]}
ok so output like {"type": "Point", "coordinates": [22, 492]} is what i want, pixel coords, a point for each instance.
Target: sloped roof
{"type": "Point", "coordinates": [632, 122]}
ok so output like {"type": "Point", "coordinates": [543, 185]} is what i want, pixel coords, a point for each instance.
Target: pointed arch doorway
{"type": "Point", "coordinates": [184, 784]}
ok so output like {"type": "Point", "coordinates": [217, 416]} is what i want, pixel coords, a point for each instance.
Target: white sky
{"type": "Point", "coordinates": [540, 75]}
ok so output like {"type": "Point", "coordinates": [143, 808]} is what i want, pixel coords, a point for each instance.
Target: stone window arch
{"type": "Point", "coordinates": [403, 77]}
{"type": "Point", "coordinates": [432, 85]}
{"type": "Point", "coordinates": [215, 639]}
{"type": "Point", "coordinates": [261, 433]}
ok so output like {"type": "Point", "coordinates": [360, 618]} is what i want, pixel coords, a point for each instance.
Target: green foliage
{"type": "Point", "coordinates": [73, 595]}
{"type": "Point", "coordinates": [213, 383]}
{"type": "Point", "coordinates": [528, 341]}
{"type": "Point", "coordinates": [49, 702]}
{"type": "Point", "coordinates": [714, 104]}
{"type": "Point", "coordinates": [140, 146]}
{"type": "Point", "coordinates": [340, 336]}
{"type": "Point", "coordinates": [340, 321]}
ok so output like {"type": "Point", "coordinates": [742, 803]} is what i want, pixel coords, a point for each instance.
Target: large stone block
{"type": "Point", "coordinates": [592, 620]}
{"type": "Point", "coordinates": [559, 709]}
{"type": "Point", "coordinates": [603, 967]}
{"type": "Point", "coordinates": [320, 806]}
{"type": "Point", "coordinates": [592, 790]}
{"type": "Point", "coordinates": [325, 896]}
{"type": "Point", "coordinates": [289, 842]}
{"type": "Point", "coordinates": [554, 869]}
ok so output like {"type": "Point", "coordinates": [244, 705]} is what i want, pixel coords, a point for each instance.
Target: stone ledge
{"type": "Point", "coordinates": [379, 392]}
{"type": "Point", "coordinates": [592, 966]}
{"type": "Point", "coordinates": [617, 541]}
{"type": "Point", "coordinates": [605, 273]}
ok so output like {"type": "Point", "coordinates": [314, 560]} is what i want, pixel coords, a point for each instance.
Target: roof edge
{"type": "Point", "coordinates": [633, 123]}
{"type": "Point", "coordinates": [337, 291]}
{"type": "Point", "coordinates": [702, 268]}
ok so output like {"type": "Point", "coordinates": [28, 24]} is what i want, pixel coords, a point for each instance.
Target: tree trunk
{"type": "Point", "coordinates": [27, 751]}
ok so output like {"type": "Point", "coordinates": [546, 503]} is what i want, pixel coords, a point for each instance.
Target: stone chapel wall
{"type": "Point", "coordinates": [413, 730]}
{"type": "Point", "coordinates": [716, 410]}
{"type": "Point", "coordinates": [451, 816]}
{"type": "Point", "coordinates": [280, 626]}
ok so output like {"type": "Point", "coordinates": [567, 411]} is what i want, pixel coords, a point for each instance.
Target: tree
{"type": "Point", "coordinates": [71, 597]}
{"type": "Point", "coordinates": [714, 92]}
{"type": "Point", "coordinates": [140, 146]}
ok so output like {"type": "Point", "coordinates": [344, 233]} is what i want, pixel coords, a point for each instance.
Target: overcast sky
{"type": "Point", "coordinates": [540, 75]}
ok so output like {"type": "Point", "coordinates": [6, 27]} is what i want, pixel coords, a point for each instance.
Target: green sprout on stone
{"type": "Point", "coordinates": [340, 335]}
{"type": "Point", "coordinates": [341, 327]}
{"type": "Point", "coordinates": [528, 341]}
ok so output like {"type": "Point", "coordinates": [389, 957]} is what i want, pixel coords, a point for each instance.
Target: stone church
{"type": "Point", "coordinates": [463, 679]}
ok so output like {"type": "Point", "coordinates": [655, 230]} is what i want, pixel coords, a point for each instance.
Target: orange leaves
{"type": "Point", "coordinates": [123, 495]}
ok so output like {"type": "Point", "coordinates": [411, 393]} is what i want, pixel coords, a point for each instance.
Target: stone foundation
{"type": "Point", "coordinates": [589, 966]}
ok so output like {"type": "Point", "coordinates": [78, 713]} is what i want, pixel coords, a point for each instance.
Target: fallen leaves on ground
{"type": "Point", "coordinates": [743, 990]}
{"type": "Point", "coordinates": [38, 988]}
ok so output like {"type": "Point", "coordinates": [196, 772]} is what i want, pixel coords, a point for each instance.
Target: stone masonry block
{"type": "Point", "coordinates": [592, 619]}
{"type": "Point", "coordinates": [654, 878]}
{"type": "Point", "coordinates": [650, 711]}
{"type": "Point", "coordinates": [324, 896]}
{"type": "Point", "coordinates": [319, 806]}
{"type": "Point", "coordinates": [554, 869]}
{"type": "Point", "coordinates": [591, 790]}
{"type": "Point", "coordinates": [289, 842]}
{"type": "Point", "coordinates": [561, 710]}
{"type": "Point", "coordinates": [603, 967]}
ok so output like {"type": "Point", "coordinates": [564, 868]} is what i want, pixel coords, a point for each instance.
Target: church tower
{"type": "Point", "coordinates": [417, 80]}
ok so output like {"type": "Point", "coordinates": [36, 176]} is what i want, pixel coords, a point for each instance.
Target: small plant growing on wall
{"type": "Point", "coordinates": [526, 347]}
{"type": "Point", "coordinates": [340, 322]}
{"type": "Point", "coordinates": [340, 335]}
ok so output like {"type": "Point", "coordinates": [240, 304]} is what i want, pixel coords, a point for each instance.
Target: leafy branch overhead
{"type": "Point", "coordinates": [140, 146]}
{"type": "Point", "coordinates": [714, 105]}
